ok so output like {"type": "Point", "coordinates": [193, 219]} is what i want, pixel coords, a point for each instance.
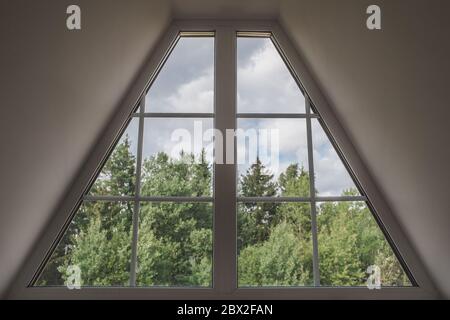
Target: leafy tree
{"type": "Point", "coordinates": [102, 253]}
{"type": "Point", "coordinates": [340, 264]}
{"type": "Point", "coordinates": [107, 225]}
{"type": "Point", "coordinates": [294, 182]}
{"type": "Point", "coordinates": [163, 176]}
{"type": "Point", "coordinates": [175, 245]}
{"type": "Point", "coordinates": [282, 260]}
{"type": "Point", "coordinates": [175, 239]}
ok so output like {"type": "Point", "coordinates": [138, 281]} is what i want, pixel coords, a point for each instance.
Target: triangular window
{"type": "Point", "coordinates": [147, 218]}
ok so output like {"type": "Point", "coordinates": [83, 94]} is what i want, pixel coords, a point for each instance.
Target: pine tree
{"type": "Point", "coordinates": [256, 219]}
{"type": "Point", "coordinates": [294, 182]}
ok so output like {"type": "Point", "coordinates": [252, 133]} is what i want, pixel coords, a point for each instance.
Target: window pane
{"type": "Point", "coordinates": [177, 157]}
{"type": "Point", "coordinates": [274, 244]}
{"type": "Point", "coordinates": [264, 83]}
{"type": "Point", "coordinates": [350, 241]}
{"type": "Point", "coordinates": [98, 242]}
{"type": "Point", "coordinates": [280, 145]}
{"type": "Point", "coordinates": [118, 176]}
{"type": "Point", "coordinates": [332, 178]}
{"type": "Point", "coordinates": [186, 80]}
{"type": "Point", "coordinates": [175, 244]}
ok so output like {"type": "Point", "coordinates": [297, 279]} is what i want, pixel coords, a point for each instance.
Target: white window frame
{"type": "Point", "coordinates": [225, 253]}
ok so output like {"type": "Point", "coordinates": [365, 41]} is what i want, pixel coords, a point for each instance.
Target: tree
{"type": "Point", "coordinates": [256, 219]}
{"type": "Point", "coordinates": [350, 241]}
{"type": "Point", "coordinates": [102, 253]}
{"type": "Point", "coordinates": [175, 244]}
{"type": "Point", "coordinates": [282, 260]}
{"type": "Point", "coordinates": [340, 263]}
{"type": "Point", "coordinates": [99, 225]}
{"type": "Point", "coordinates": [175, 238]}
{"type": "Point", "coordinates": [294, 182]}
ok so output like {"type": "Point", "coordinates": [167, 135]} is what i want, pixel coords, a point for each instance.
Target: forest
{"type": "Point", "coordinates": [175, 239]}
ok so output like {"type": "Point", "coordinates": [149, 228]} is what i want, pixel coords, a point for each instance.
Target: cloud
{"type": "Point", "coordinates": [186, 80]}
{"type": "Point", "coordinates": [331, 175]}
{"type": "Point", "coordinates": [186, 84]}
{"type": "Point", "coordinates": [194, 96]}
{"type": "Point", "coordinates": [264, 82]}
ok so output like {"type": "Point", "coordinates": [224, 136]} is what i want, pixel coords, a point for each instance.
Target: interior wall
{"type": "Point", "coordinates": [58, 90]}
{"type": "Point", "coordinates": [389, 89]}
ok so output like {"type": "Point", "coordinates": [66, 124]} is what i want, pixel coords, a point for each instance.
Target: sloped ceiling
{"type": "Point", "coordinates": [388, 88]}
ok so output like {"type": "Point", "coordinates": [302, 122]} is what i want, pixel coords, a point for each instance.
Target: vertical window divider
{"type": "Point", "coordinates": [312, 191]}
{"type": "Point", "coordinates": [224, 257]}
{"type": "Point", "coordinates": [135, 225]}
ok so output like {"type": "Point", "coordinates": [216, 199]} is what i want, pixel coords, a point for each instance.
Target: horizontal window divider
{"type": "Point", "coordinates": [108, 198]}
{"type": "Point", "coordinates": [300, 199]}
{"type": "Point", "coordinates": [273, 199]}
{"type": "Point", "coordinates": [277, 115]}
{"type": "Point", "coordinates": [176, 199]}
{"type": "Point", "coordinates": [341, 198]}
{"type": "Point", "coordinates": [148, 198]}
{"type": "Point", "coordinates": [173, 115]}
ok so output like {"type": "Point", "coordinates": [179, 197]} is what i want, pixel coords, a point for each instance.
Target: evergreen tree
{"type": "Point", "coordinates": [175, 239]}
{"type": "Point", "coordinates": [256, 219]}
{"type": "Point", "coordinates": [294, 182]}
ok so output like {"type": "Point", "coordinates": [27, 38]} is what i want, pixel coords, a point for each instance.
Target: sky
{"type": "Point", "coordinates": [264, 84]}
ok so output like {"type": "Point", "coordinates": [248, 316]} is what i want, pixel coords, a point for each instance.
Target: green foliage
{"type": "Point", "coordinates": [282, 260]}
{"type": "Point", "coordinates": [175, 239]}
{"type": "Point", "coordinates": [175, 244]}
{"type": "Point", "coordinates": [118, 174]}
{"type": "Point", "coordinates": [186, 176]}
{"type": "Point", "coordinates": [256, 219]}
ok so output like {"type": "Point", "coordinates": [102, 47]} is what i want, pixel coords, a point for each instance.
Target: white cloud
{"type": "Point", "coordinates": [331, 175]}
{"type": "Point", "coordinates": [194, 96]}
{"type": "Point", "coordinates": [264, 82]}
{"type": "Point", "coordinates": [264, 85]}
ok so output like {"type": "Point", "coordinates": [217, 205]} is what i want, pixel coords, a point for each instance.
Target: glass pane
{"type": "Point", "coordinates": [272, 157]}
{"type": "Point", "coordinates": [264, 83]}
{"type": "Point", "coordinates": [350, 241]}
{"type": "Point", "coordinates": [332, 178]}
{"type": "Point", "coordinates": [186, 80]}
{"type": "Point", "coordinates": [177, 157]}
{"type": "Point", "coordinates": [118, 175]}
{"type": "Point", "coordinates": [175, 244]}
{"type": "Point", "coordinates": [274, 244]}
{"type": "Point", "coordinates": [95, 250]}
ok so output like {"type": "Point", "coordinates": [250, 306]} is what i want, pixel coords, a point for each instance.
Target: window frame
{"type": "Point", "coordinates": [224, 227]}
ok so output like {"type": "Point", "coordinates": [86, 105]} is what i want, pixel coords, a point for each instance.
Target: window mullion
{"type": "Point", "coordinates": [312, 191]}
{"type": "Point", "coordinates": [225, 271]}
{"type": "Point", "coordinates": [134, 240]}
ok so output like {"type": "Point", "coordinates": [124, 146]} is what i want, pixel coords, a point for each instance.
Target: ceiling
{"type": "Point", "coordinates": [388, 88]}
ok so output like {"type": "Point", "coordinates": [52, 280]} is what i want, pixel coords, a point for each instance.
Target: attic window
{"type": "Point", "coordinates": [158, 209]}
